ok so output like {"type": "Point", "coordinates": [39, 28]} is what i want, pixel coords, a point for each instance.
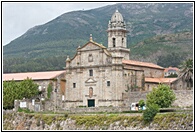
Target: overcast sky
{"type": "Point", "coordinates": [18, 17]}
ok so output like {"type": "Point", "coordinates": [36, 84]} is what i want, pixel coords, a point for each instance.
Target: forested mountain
{"type": "Point", "coordinates": [164, 50]}
{"type": "Point", "coordinates": [46, 46]}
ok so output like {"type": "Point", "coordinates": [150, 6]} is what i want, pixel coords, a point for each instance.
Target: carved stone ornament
{"type": "Point", "coordinates": [90, 58]}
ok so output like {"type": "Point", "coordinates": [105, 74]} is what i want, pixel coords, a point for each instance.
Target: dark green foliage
{"type": "Point", "coordinates": [12, 65]}
{"type": "Point", "coordinates": [49, 90]}
{"type": "Point", "coordinates": [173, 59]}
{"type": "Point", "coordinates": [160, 97]}
{"type": "Point", "coordinates": [186, 72]}
{"type": "Point", "coordinates": [150, 112]}
{"type": "Point", "coordinates": [141, 103]}
{"type": "Point", "coordinates": [66, 115]}
{"type": "Point", "coordinates": [18, 90]}
{"type": "Point", "coordinates": [26, 110]}
{"type": "Point", "coordinates": [163, 96]}
{"type": "Point", "coordinates": [186, 66]}
{"type": "Point", "coordinates": [165, 50]}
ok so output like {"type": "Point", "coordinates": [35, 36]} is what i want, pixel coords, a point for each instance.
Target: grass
{"type": "Point", "coordinates": [166, 121]}
{"type": "Point", "coordinates": [25, 110]}
{"type": "Point", "coordinates": [104, 121]}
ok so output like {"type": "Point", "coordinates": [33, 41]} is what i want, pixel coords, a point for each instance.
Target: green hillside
{"type": "Point", "coordinates": [60, 37]}
{"type": "Point", "coordinates": [165, 50]}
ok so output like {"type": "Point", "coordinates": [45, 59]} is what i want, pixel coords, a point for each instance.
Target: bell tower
{"type": "Point", "coordinates": [117, 36]}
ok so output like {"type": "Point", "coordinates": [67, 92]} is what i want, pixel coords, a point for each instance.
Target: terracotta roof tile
{"type": "Point", "coordinates": [144, 64]}
{"type": "Point", "coordinates": [160, 80]}
{"type": "Point", "coordinates": [32, 75]}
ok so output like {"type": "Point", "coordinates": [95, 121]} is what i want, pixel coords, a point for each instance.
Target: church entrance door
{"type": "Point", "coordinates": [91, 103]}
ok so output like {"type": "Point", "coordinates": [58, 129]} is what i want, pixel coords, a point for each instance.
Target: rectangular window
{"type": "Point", "coordinates": [90, 72]}
{"type": "Point", "coordinates": [108, 83]}
{"type": "Point", "coordinates": [74, 85]}
{"type": "Point", "coordinates": [114, 42]}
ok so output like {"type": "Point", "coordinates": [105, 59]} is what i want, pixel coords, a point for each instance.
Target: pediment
{"type": "Point", "coordinates": [90, 46]}
{"type": "Point", "coordinates": [90, 80]}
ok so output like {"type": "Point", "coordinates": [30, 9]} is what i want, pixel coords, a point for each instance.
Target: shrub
{"type": "Point", "coordinates": [49, 90]}
{"type": "Point", "coordinates": [141, 103]}
{"type": "Point", "coordinates": [65, 115]}
{"type": "Point", "coordinates": [163, 96]}
{"type": "Point", "coordinates": [13, 90]}
{"type": "Point", "coordinates": [25, 110]}
{"type": "Point", "coordinates": [150, 112]}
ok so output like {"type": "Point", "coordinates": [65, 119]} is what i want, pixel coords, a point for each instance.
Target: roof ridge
{"type": "Point", "coordinates": [140, 63]}
{"type": "Point", "coordinates": [32, 75]}
{"type": "Point", "coordinates": [98, 44]}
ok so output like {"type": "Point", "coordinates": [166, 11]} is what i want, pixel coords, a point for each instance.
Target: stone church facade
{"type": "Point", "coordinates": [98, 76]}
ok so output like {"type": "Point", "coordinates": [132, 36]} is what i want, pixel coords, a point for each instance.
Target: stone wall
{"type": "Point", "coordinates": [99, 109]}
{"type": "Point", "coordinates": [179, 84]}
{"type": "Point", "coordinates": [132, 97]}
{"type": "Point", "coordinates": [32, 105]}
{"type": "Point", "coordinates": [22, 121]}
{"type": "Point", "coordinates": [149, 72]}
{"type": "Point", "coordinates": [184, 98]}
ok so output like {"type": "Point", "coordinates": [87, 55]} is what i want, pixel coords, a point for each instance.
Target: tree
{"type": "Point", "coordinates": [29, 88]}
{"type": "Point", "coordinates": [18, 90]}
{"type": "Point", "coordinates": [9, 94]}
{"type": "Point", "coordinates": [186, 72]}
{"type": "Point", "coordinates": [150, 112]}
{"type": "Point", "coordinates": [163, 96]}
{"type": "Point", "coordinates": [160, 97]}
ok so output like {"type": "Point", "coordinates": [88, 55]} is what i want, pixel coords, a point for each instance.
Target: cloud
{"type": "Point", "coordinates": [18, 17]}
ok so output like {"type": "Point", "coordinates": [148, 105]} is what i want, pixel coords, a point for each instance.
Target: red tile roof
{"type": "Point", "coordinates": [160, 80]}
{"type": "Point", "coordinates": [32, 75]}
{"type": "Point", "coordinates": [143, 64]}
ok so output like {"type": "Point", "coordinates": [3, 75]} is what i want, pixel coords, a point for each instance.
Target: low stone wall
{"type": "Point", "coordinates": [98, 109]}
{"type": "Point", "coordinates": [132, 97]}
{"type": "Point", "coordinates": [36, 106]}
{"type": "Point", "coordinates": [184, 98]}
{"type": "Point", "coordinates": [22, 121]}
